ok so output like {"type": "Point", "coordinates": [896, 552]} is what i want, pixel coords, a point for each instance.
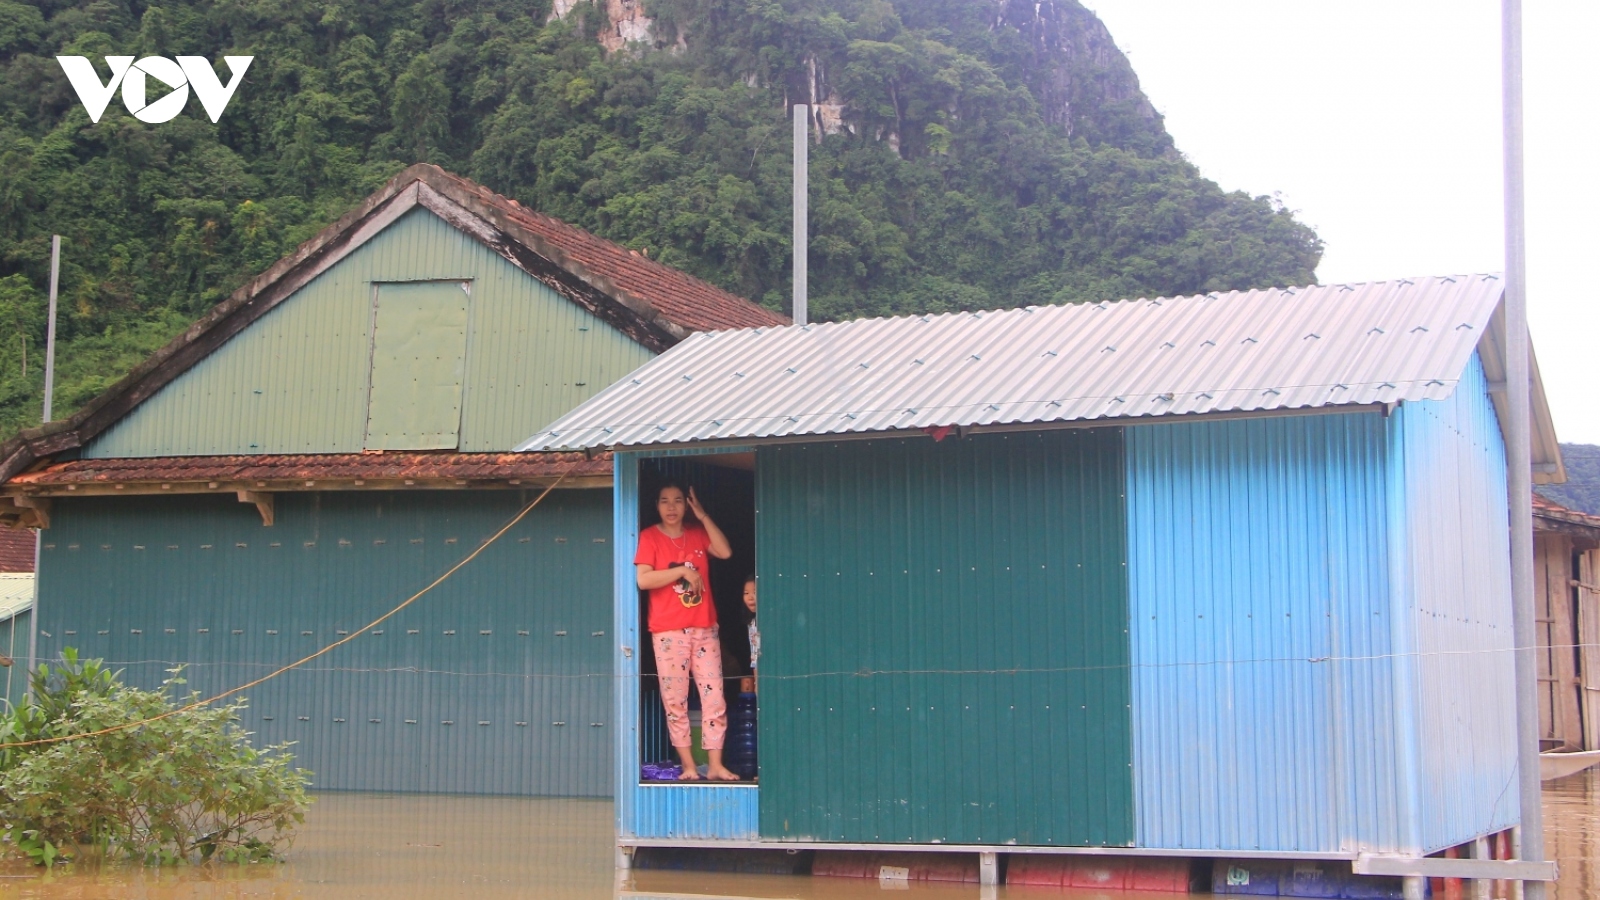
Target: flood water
{"type": "Point", "coordinates": [1572, 833]}
{"type": "Point", "coordinates": [402, 847]}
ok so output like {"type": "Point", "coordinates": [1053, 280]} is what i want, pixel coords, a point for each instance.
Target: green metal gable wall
{"type": "Point", "coordinates": [498, 681]}
{"type": "Point", "coordinates": [944, 641]}
{"type": "Point", "coordinates": [296, 381]}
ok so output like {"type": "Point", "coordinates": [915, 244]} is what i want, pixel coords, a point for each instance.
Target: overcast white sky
{"type": "Point", "coordinates": [1378, 121]}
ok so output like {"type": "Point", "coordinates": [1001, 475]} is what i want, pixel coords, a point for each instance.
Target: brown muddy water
{"type": "Point", "coordinates": [401, 847]}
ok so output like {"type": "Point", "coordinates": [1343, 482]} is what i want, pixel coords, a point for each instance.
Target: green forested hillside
{"type": "Point", "coordinates": [973, 153]}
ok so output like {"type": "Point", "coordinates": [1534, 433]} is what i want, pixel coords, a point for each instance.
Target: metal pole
{"type": "Point", "coordinates": [49, 396]}
{"type": "Point", "coordinates": [50, 339]}
{"type": "Point", "coordinates": [33, 620]}
{"type": "Point", "coordinates": [802, 181]}
{"type": "Point", "coordinates": [1518, 447]}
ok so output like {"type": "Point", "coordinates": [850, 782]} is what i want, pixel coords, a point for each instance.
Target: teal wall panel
{"type": "Point", "coordinates": [14, 635]}
{"type": "Point", "coordinates": [944, 641]}
{"type": "Point", "coordinates": [296, 381]}
{"type": "Point", "coordinates": [498, 681]}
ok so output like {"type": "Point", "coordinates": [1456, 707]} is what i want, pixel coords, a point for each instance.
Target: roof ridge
{"type": "Point", "coordinates": [648, 301]}
{"type": "Point", "coordinates": [539, 219]}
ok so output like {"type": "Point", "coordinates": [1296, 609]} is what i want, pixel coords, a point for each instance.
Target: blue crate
{"type": "Point", "coordinates": [1311, 878]}
{"type": "Point", "coordinates": [1260, 877]}
{"type": "Point", "coordinates": [1378, 887]}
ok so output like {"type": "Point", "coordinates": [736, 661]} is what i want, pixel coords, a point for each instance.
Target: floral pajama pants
{"type": "Point", "coordinates": [680, 655]}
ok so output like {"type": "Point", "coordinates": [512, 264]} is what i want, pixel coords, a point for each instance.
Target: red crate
{"type": "Point", "coordinates": [1107, 873]}
{"type": "Point", "coordinates": [959, 867]}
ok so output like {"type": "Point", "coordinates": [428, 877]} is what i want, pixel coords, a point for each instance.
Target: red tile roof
{"type": "Point", "coordinates": [680, 297]}
{"type": "Point", "coordinates": [317, 467]}
{"type": "Point", "coordinates": [1545, 508]}
{"type": "Point", "coordinates": [653, 304]}
{"type": "Point", "coordinates": [16, 549]}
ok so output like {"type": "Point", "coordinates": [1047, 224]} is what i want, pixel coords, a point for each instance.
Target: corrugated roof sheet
{"type": "Point", "coordinates": [314, 466]}
{"type": "Point", "coordinates": [1237, 352]}
{"type": "Point", "coordinates": [16, 593]}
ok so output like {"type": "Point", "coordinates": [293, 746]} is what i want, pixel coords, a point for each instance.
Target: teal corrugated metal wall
{"type": "Point", "coordinates": [1455, 592]}
{"type": "Point", "coordinates": [296, 380]}
{"type": "Point", "coordinates": [496, 682]}
{"type": "Point", "coordinates": [1264, 698]}
{"type": "Point", "coordinates": [944, 641]}
{"type": "Point", "coordinates": [14, 635]}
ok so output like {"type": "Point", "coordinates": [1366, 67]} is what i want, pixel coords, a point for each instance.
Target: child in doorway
{"type": "Point", "coordinates": [755, 634]}
{"type": "Point", "coordinates": [673, 563]}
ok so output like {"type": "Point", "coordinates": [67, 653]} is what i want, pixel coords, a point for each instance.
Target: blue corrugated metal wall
{"type": "Point", "coordinates": [496, 682]}
{"type": "Point", "coordinates": [1454, 589]}
{"type": "Point", "coordinates": [1263, 710]}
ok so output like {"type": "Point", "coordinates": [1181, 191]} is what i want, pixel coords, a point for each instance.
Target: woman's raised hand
{"type": "Point", "coordinates": [698, 510]}
{"type": "Point", "coordinates": [719, 541]}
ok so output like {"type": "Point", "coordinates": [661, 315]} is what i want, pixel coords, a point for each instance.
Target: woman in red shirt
{"type": "Point", "coordinates": [673, 565]}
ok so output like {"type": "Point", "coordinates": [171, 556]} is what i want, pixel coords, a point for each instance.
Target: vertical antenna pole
{"type": "Point", "coordinates": [49, 396]}
{"type": "Point", "coordinates": [33, 620]}
{"type": "Point", "coordinates": [50, 339]}
{"type": "Point", "coordinates": [802, 196]}
{"type": "Point", "coordinates": [1519, 448]}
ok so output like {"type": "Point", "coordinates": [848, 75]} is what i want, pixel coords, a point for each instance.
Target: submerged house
{"type": "Point", "coordinates": [1566, 588]}
{"type": "Point", "coordinates": [1221, 575]}
{"type": "Point", "coordinates": [328, 441]}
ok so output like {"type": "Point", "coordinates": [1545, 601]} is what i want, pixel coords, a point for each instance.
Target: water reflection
{"type": "Point", "coordinates": [399, 847]}
{"type": "Point", "coordinates": [1572, 833]}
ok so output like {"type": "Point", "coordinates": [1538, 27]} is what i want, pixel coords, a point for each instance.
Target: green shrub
{"type": "Point", "coordinates": [185, 788]}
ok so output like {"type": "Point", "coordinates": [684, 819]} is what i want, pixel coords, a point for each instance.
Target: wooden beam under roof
{"type": "Point", "coordinates": [296, 485]}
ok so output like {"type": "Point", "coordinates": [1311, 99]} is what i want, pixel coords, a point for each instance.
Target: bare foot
{"type": "Point", "coordinates": [717, 772]}
{"type": "Point", "coordinates": [686, 763]}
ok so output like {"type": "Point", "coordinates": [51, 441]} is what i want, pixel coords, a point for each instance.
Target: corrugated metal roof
{"type": "Point", "coordinates": [16, 593]}
{"type": "Point", "coordinates": [1237, 352]}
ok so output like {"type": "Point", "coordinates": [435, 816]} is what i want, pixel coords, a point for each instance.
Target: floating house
{"type": "Point", "coordinates": [331, 439]}
{"type": "Point", "coordinates": [1566, 589]}
{"type": "Point", "coordinates": [1222, 575]}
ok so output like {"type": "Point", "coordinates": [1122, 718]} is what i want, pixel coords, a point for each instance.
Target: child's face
{"type": "Point", "coordinates": [750, 595]}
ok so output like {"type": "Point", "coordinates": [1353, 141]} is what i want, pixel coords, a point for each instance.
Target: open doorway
{"type": "Point", "coordinates": [725, 486]}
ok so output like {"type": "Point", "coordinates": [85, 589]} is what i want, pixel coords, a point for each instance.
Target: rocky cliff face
{"type": "Point", "coordinates": [1057, 48]}
{"type": "Point", "coordinates": [626, 23]}
{"type": "Point", "coordinates": [1077, 61]}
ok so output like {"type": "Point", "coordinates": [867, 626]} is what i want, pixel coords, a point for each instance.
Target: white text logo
{"type": "Point", "coordinates": [188, 72]}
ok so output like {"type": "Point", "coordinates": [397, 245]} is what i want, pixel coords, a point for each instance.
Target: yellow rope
{"type": "Point", "coordinates": [296, 664]}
